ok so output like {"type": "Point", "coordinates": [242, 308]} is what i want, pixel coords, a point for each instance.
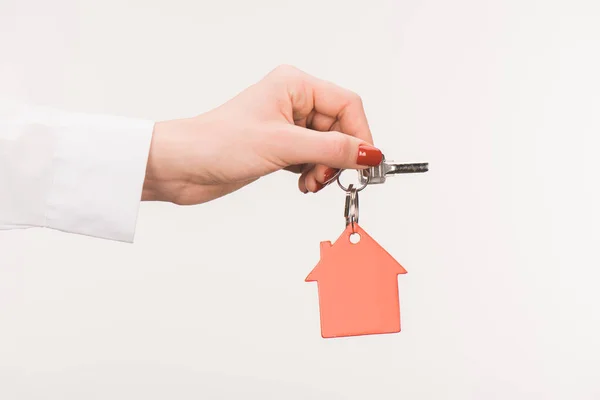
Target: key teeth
{"type": "Point", "coordinates": [411, 168]}
{"type": "Point", "coordinates": [424, 167]}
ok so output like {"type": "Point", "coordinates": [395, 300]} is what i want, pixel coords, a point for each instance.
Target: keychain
{"type": "Point", "coordinates": [357, 279]}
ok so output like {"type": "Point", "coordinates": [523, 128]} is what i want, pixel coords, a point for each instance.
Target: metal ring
{"type": "Point", "coordinates": [351, 211]}
{"type": "Point", "coordinates": [347, 189]}
{"type": "Point", "coordinates": [352, 219]}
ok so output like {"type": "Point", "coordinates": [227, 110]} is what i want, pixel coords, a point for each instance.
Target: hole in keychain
{"type": "Point", "coordinates": [354, 237]}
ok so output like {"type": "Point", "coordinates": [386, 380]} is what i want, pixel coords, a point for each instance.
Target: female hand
{"type": "Point", "coordinates": [289, 120]}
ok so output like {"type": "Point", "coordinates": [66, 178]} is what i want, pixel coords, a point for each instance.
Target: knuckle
{"type": "Point", "coordinates": [285, 70]}
{"type": "Point", "coordinates": [356, 99]}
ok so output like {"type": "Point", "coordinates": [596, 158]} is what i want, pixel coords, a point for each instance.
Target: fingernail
{"type": "Point", "coordinates": [368, 155]}
{"type": "Point", "coordinates": [319, 186]}
{"type": "Point", "coordinates": [328, 175]}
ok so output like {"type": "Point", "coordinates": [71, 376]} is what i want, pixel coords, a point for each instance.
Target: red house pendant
{"type": "Point", "coordinates": [358, 286]}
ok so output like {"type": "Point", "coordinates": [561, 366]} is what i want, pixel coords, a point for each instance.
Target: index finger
{"type": "Point", "coordinates": [341, 106]}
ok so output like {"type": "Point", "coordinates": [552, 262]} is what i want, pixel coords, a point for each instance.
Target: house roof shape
{"type": "Point", "coordinates": [366, 256]}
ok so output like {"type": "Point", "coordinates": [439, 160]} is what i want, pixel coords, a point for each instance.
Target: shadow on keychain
{"type": "Point", "coordinates": [357, 279]}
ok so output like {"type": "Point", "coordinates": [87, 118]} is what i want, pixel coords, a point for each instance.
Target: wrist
{"type": "Point", "coordinates": [151, 190]}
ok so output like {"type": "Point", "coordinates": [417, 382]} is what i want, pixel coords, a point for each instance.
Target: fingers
{"type": "Point", "coordinates": [296, 145]}
{"type": "Point", "coordinates": [322, 122]}
{"type": "Point", "coordinates": [317, 178]}
{"type": "Point", "coordinates": [323, 106]}
{"type": "Point", "coordinates": [333, 103]}
{"type": "Point", "coordinates": [302, 183]}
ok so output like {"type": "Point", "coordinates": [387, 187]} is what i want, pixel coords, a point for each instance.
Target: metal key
{"type": "Point", "coordinates": [378, 174]}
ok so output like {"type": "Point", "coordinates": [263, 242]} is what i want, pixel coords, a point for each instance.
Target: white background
{"type": "Point", "coordinates": [500, 238]}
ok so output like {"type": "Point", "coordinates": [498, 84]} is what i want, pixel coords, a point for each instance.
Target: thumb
{"type": "Point", "coordinates": [297, 145]}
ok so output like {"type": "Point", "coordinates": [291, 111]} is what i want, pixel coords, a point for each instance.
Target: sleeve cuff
{"type": "Point", "coordinates": [99, 168]}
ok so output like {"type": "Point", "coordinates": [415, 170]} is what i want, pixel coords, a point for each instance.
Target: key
{"type": "Point", "coordinates": [378, 174]}
{"type": "Point", "coordinates": [357, 278]}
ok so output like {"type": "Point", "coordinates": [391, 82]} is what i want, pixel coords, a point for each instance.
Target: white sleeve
{"type": "Point", "coordinates": [73, 172]}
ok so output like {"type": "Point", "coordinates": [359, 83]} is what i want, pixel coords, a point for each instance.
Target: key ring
{"type": "Point", "coordinates": [365, 180]}
{"type": "Point", "coordinates": [351, 207]}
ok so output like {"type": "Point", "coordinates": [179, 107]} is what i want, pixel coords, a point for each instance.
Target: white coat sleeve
{"type": "Point", "coordinates": [74, 172]}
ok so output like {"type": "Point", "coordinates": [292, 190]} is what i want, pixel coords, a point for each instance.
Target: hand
{"type": "Point", "coordinates": [289, 120]}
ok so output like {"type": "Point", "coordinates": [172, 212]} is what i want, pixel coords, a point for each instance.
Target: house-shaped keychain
{"type": "Point", "coordinates": [358, 279]}
{"type": "Point", "coordinates": [358, 286]}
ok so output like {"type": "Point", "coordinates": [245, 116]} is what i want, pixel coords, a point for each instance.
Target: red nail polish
{"type": "Point", "coordinates": [329, 174]}
{"type": "Point", "coordinates": [368, 155]}
{"type": "Point", "coordinates": [319, 186]}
